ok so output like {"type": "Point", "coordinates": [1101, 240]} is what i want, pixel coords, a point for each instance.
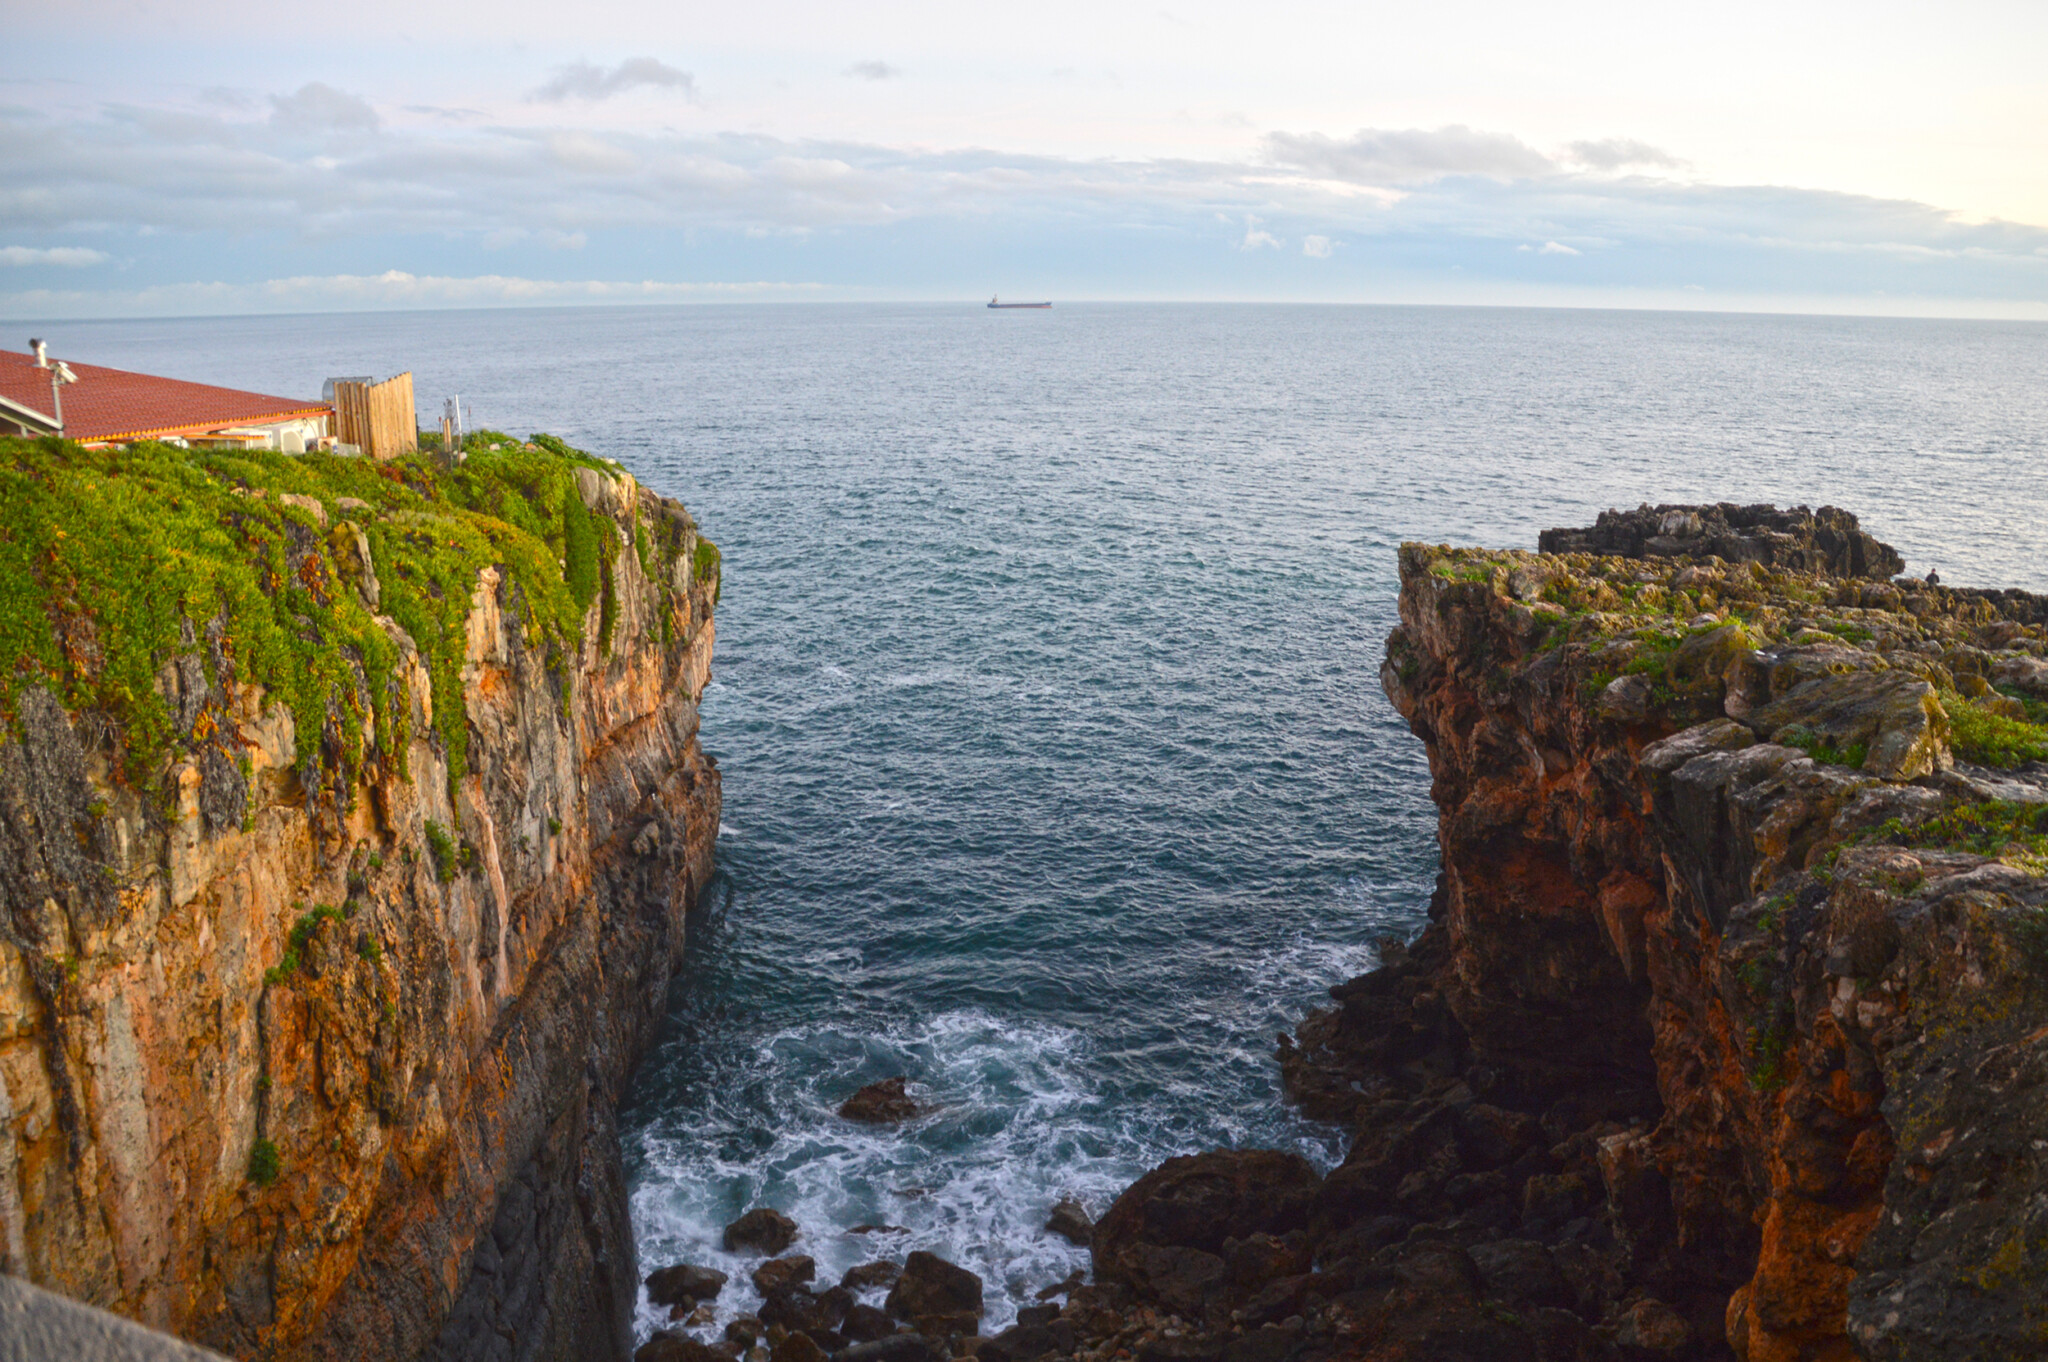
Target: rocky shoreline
{"type": "Point", "coordinates": [1728, 1033]}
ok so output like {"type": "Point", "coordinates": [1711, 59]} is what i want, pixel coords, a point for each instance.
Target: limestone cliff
{"type": "Point", "coordinates": [349, 816]}
{"type": "Point", "coordinates": [1729, 1031]}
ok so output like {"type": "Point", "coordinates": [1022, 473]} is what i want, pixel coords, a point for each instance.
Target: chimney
{"type": "Point", "coordinates": [42, 360]}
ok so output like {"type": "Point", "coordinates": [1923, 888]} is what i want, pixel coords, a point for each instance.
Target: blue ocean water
{"type": "Point", "coordinates": [1058, 776]}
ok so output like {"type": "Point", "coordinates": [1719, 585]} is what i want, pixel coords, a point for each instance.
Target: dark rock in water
{"type": "Point", "coordinates": [881, 1103]}
{"type": "Point", "coordinates": [878, 1229]}
{"type": "Point", "coordinates": [668, 1346]}
{"type": "Point", "coordinates": [1069, 1220]}
{"type": "Point", "coordinates": [1063, 1288]}
{"type": "Point", "coordinates": [743, 1330]}
{"type": "Point", "coordinates": [797, 1348]}
{"type": "Point", "coordinates": [895, 1348]}
{"type": "Point", "coordinates": [763, 1230]}
{"type": "Point", "coordinates": [1826, 541]}
{"type": "Point", "coordinates": [779, 1274]}
{"type": "Point", "coordinates": [865, 1323]}
{"type": "Point", "coordinates": [932, 1287]}
{"type": "Point", "coordinates": [1196, 1202]}
{"type": "Point", "coordinates": [684, 1281]}
{"type": "Point", "coordinates": [866, 1275]}
{"type": "Point", "coordinates": [1038, 1314]}
{"type": "Point", "coordinates": [805, 1311]}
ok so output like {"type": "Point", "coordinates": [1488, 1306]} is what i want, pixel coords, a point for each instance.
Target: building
{"type": "Point", "coordinates": [102, 406]}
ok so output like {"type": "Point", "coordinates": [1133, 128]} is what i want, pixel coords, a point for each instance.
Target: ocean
{"type": "Point", "coordinates": [1057, 772]}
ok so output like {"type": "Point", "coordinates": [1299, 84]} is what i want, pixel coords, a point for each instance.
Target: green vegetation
{"type": "Point", "coordinates": [709, 566]}
{"type": "Point", "coordinates": [1821, 750]}
{"type": "Point", "coordinates": [295, 945]}
{"type": "Point", "coordinates": [1981, 735]}
{"type": "Point", "coordinates": [370, 948]}
{"type": "Point", "coordinates": [441, 848]}
{"type": "Point", "coordinates": [263, 1163]}
{"type": "Point", "coordinates": [114, 561]}
{"type": "Point", "coordinates": [2015, 832]}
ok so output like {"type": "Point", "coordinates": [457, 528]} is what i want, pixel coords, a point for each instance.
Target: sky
{"type": "Point", "coordinates": [198, 158]}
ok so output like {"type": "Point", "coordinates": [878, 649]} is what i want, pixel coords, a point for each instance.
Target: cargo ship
{"type": "Point", "coordinates": [998, 302]}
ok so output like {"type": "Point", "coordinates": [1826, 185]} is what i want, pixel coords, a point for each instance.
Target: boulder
{"type": "Point", "coordinates": [881, 1103]}
{"type": "Point", "coordinates": [779, 1274]}
{"type": "Point", "coordinates": [865, 1323]}
{"type": "Point", "coordinates": [684, 1281]}
{"type": "Point", "coordinates": [933, 1289]}
{"type": "Point", "coordinates": [670, 1346]}
{"type": "Point", "coordinates": [895, 1348]}
{"type": "Point", "coordinates": [1069, 1220]}
{"type": "Point", "coordinates": [1196, 1202]}
{"type": "Point", "coordinates": [864, 1276]}
{"type": "Point", "coordinates": [797, 1348]}
{"type": "Point", "coordinates": [762, 1230]}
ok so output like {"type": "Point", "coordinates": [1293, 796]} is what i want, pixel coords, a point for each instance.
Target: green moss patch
{"type": "Point", "coordinates": [1990, 739]}
{"type": "Point", "coordinates": [115, 561]}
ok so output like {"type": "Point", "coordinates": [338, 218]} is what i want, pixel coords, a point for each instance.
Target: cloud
{"type": "Point", "coordinates": [1407, 156]}
{"type": "Point", "coordinates": [1614, 153]}
{"type": "Point", "coordinates": [1254, 239]}
{"type": "Point", "coordinates": [318, 108]}
{"type": "Point", "coordinates": [70, 256]}
{"type": "Point", "coordinates": [581, 80]}
{"type": "Point", "coordinates": [391, 289]}
{"type": "Point", "coordinates": [183, 191]}
{"type": "Point", "coordinates": [874, 70]}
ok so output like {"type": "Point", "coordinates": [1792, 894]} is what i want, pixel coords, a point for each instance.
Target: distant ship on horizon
{"type": "Point", "coordinates": [998, 302]}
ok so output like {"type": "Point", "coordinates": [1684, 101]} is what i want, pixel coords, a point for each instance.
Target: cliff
{"type": "Point", "coordinates": [1728, 1034]}
{"type": "Point", "coordinates": [349, 817]}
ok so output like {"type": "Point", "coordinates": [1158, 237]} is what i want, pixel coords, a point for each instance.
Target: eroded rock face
{"type": "Point", "coordinates": [1727, 1034]}
{"type": "Point", "coordinates": [322, 1062]}
{"type": "Point", "coordinates": [1827, 541]}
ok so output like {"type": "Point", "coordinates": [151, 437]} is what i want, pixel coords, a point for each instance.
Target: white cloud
{"type": "Point", "coordinates": [581, 80]}
{"type": "Point", "coordinates": [370, 292]}
{"type": "Point", "coordinates": [319, 108]}
{"type": "Point", "coordinates": [1615, 153]}
{"type": "Point", "coordinates": [1408, 156]}
{"type": "Point", "coordinates": [1547, 248]}
{"type": "Point", "coordinates": [70, 256]}
{"type": "Point", "coordinates": [874, 70]}
{"type": "Point", "coordinates": [1255, 239]}
{"type": "Point", "coordinates": [1318, 247]}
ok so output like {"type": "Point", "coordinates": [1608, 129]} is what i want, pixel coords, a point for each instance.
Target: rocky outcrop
{"type": "Point", "coordinates": [1826, 541]}
{"type": "Point", "coordinates": [1729, 1030]}
{"type": "Point", "coordinates": [312, 1037]}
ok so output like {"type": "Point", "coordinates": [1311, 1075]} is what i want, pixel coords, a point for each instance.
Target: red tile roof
{"type": "Point", "coordinates": [114, 404]}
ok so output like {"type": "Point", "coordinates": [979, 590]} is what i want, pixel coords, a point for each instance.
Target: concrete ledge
{"type": "Point", "coordinates": [41, 1326]}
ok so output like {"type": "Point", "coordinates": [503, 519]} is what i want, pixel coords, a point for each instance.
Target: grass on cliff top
{"type": "Point", "coordinates": [1981, 735]}
{"type": "Point", "coordinates": [2000, 828]}
{"type": "Point", "coordinates": [114, 561]}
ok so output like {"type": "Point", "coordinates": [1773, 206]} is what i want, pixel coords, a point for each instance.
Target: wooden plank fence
{"type": "Point", "coordinates": [377, 418]}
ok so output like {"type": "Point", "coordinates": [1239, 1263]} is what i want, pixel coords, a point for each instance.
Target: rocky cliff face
{"type": "Point", "coordinates": [328, 945]}
{"type": "Point", "coordinates": [1729, 1032]}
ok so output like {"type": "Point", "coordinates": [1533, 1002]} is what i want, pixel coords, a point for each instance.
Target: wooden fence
{"type": "Point", "coordinates": [377, 418]}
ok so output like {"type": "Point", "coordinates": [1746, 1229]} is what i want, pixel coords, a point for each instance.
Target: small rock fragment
{"type": "Point", "coordinates": [1070, 1221]}
{"type": "Point", "coordinates": [763, 1229]}
{"type": "Point", "coordinates": [881, 1103]}
{"type": "Point", "coordinates": [779, 1274]}
{"type": "Point", "coordinates": [684, 1281]}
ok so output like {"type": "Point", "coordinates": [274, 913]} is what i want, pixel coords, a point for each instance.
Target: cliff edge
{"type": "Point", "coordinates": [349, 817]}
{"type": "Point", "coordinates": [1728, 1035]}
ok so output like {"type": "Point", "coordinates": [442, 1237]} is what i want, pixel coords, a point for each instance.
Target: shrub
{"type": "Point", "coordinates": [441, 851]}
{"type": "Point", "coordinates": [1989, 739]}
{"type": "Point", "coordinates": [263, 1163]}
